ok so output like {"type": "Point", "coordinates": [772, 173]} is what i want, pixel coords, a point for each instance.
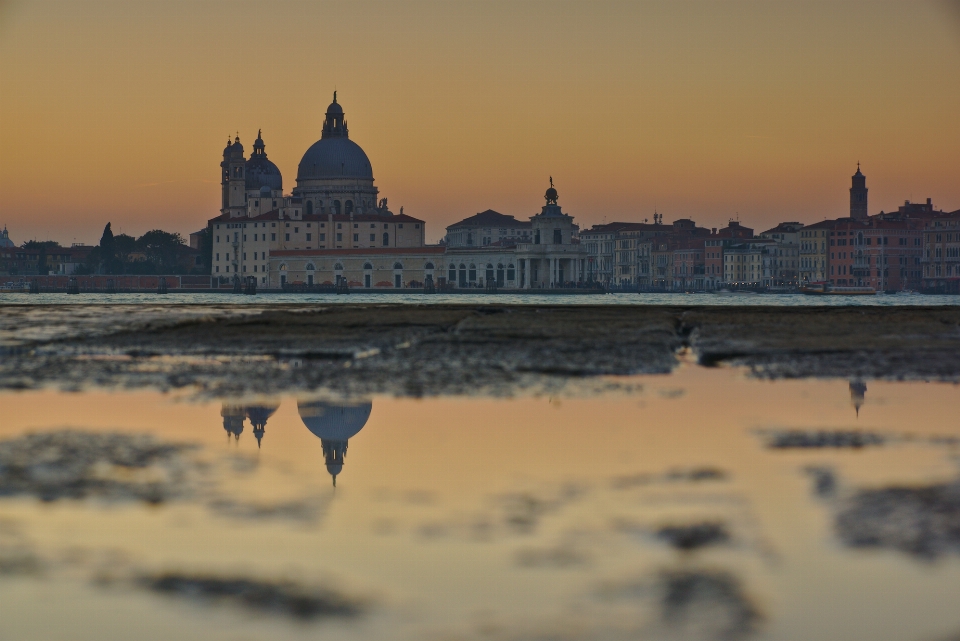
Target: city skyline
{"type": "Point", "coordinates": [462, 108]}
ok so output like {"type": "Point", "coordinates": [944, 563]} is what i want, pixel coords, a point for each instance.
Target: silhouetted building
{"type": "Point", "coordinates": [858, 196]}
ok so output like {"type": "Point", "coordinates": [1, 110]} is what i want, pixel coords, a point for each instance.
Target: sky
{"type": "Point", "coordinates": [757, 111]}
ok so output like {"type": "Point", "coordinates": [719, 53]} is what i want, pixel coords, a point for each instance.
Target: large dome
{"type": "Point", "coordinates": [334, 157]}
{"type": "Point", "coordinates": [332, 422]}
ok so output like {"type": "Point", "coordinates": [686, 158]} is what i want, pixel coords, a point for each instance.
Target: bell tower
{"type": "Point", "coordinates": [233, 180]}
{"type": "Point", "coordinates": [858, 196]}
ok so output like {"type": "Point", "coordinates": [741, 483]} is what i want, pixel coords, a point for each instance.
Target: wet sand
{"type": "Point", "coordinates": [427, 350]}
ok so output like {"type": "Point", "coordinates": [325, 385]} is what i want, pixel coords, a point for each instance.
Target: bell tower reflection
{"type": "Point", "coordinates": [334, 424]}
{"type": "Point", "coordinates": [234, 416]}
{"type": "Point", "coordinates": [858, 389]}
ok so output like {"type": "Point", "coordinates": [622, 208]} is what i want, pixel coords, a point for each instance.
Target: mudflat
{"type": "Point", "coordinates": [426, 350]}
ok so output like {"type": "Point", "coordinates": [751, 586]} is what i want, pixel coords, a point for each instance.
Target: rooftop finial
{"type": "Point", "coordinates": [259, 134]}
{"type": "Point", "coordinates": [334, 95]}
{"type": "Point", "coordinates": [551, 181]}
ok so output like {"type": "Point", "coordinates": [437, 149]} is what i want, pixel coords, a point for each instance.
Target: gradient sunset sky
{"type": "Point", "coordinates": [119, 111]}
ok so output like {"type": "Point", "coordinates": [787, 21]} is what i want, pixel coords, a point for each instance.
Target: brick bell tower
{"type": "Point", "coordinates": [858, 196]}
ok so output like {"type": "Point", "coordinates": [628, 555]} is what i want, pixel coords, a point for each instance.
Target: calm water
{"type": "Point", "coordinates": [482, 299]}
{"type": "Point", "coordinates": [686, 510]}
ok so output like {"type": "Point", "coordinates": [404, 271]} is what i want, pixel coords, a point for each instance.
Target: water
{"type": "Point", "coordinates": [666, 513]}
{"type": "Point", "coordinates": [480, 299]}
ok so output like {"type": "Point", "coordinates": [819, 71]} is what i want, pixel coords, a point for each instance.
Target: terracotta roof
{"type": "Point", "coordinates": [274, 214]}
{"type": "Point", "coordinates": [369, 251]}
{"type": "Point", "coordinates": [610, 228]}
{"type": "Point", "coordinates": [490, 218]}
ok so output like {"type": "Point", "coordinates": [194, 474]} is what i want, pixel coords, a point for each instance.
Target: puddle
{"type": "Point", "coordinates": [703, 504]}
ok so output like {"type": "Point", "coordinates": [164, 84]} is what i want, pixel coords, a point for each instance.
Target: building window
{"type": "Point", "coordinates": [287, 236]}
{"type": "Point", "coordinates": [356, 238]}
{"type": "Point", "coordinates": [309, 236]}
{"type": "Point", "coordinates": [339, 238]}
{"type": "Point", "coordinates": [323, 237]}
{"type": "Point", "coordinates": [373, 238]}
{"type": "Point", "coordinates": [386, 239]}
{"type": "Point", "coordinates": [273, 236]}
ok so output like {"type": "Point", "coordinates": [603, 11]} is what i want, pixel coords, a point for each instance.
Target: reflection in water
{"type": "Point", "coordinates": [334, 424]}
{"type": "Point", "coordinates": [258, 415]}
{"type": "Point", "coordinates": [234, 415]}
{"type": "Point", "coordinates": [857, 391]}
{"type": "Point", "coordinates": [686, 517]}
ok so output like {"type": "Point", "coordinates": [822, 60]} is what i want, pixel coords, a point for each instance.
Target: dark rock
{"type": "Point", "coordinates": [697, 535]}
{"type": "Point", "coordinates": [76, 464]}
{"type": "Point", "coordinates": [706, 605]}
{"type": "Point", "coordinates": [286, 597]}
{"type": "Point", "coordinates": [824, 481]}
{"type": "Point", "coordinates": [810, 439]}
{"type": "Point", "coordinates": [923, 521]}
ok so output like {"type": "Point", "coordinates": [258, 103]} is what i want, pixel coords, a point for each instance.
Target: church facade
{"type": "Point", "coordinates": [333, 228]}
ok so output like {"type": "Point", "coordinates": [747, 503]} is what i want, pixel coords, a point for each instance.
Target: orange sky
{"type": "Point", "coordinates": [119, 111]}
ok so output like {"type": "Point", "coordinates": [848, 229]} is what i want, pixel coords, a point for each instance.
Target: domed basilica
{"type": "Point", "coordinates": [333, 229]}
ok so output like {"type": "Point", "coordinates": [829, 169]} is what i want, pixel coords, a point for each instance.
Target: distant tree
{"type": "Point", "coordinates": [41, 246]}
{"type": "Point", "coordinates": [161, 248]}
{"type": "Point", "coordinates": [123, 246]}
{"type": "Point", "coordinates": [206, 250]}
{"type": "Point", "coordinates": [107, 251]}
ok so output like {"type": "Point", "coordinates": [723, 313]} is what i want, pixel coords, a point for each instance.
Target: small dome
{"type": "Point", "coordinates": [551, 194]}
{"type": "Point", "coordinates": [228, 148]}
{"type": "Point", "coordinates": [334, 108]}
{"type": "Point", "coordinates": [236, 147]}
{"type": "Point", "coordinates": [265, 191]}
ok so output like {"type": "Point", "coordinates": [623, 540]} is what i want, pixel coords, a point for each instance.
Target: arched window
{"type": "Point", "coordinates": [336, 207]}
{"type": "Point", "coordinates": [386, 239]}
{"type": "Point", "coordinates": [348, 207]}
{"type": "Point", "coordinates": [511, 272]}
{"type": "Point", "coordinates": [428, 266]}
{"type": "Point", "coordinates": [311, 267]}
{"type": "Point", "coordinates": [489, 273]}
{"type": "Point", "coordinates": [463, 275]}
{"type": "Point", "coordinates": [367, 266]}
{"type": "Point", "coordinates": [500, 275]}
{"type": "Point", "coordinates": [309, 208]}
{"type": "Point", "coordinates": [453, 274]}
{"type": "Point", "coordinates": [473, 273]}
{"type": "Point", "coordinates": [283, 267]}
{"type": "Point", "coordinates": [469, 239]}
{"type": "Point", "coordinates": [397, 266]}
{"type": "Point", "coordinates": [338, 267]}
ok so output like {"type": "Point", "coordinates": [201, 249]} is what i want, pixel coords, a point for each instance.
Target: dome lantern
{"type": "Point", "coordinates": [551, 196]}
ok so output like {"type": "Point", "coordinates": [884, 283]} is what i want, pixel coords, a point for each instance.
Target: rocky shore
{"type": "Point", "coordinates": [425, 350]}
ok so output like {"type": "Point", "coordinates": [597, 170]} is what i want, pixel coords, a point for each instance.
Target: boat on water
{"type": "Point", "coordinates": [826, 289]}
{"type": "Point", "coordinates": [15, 287]}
